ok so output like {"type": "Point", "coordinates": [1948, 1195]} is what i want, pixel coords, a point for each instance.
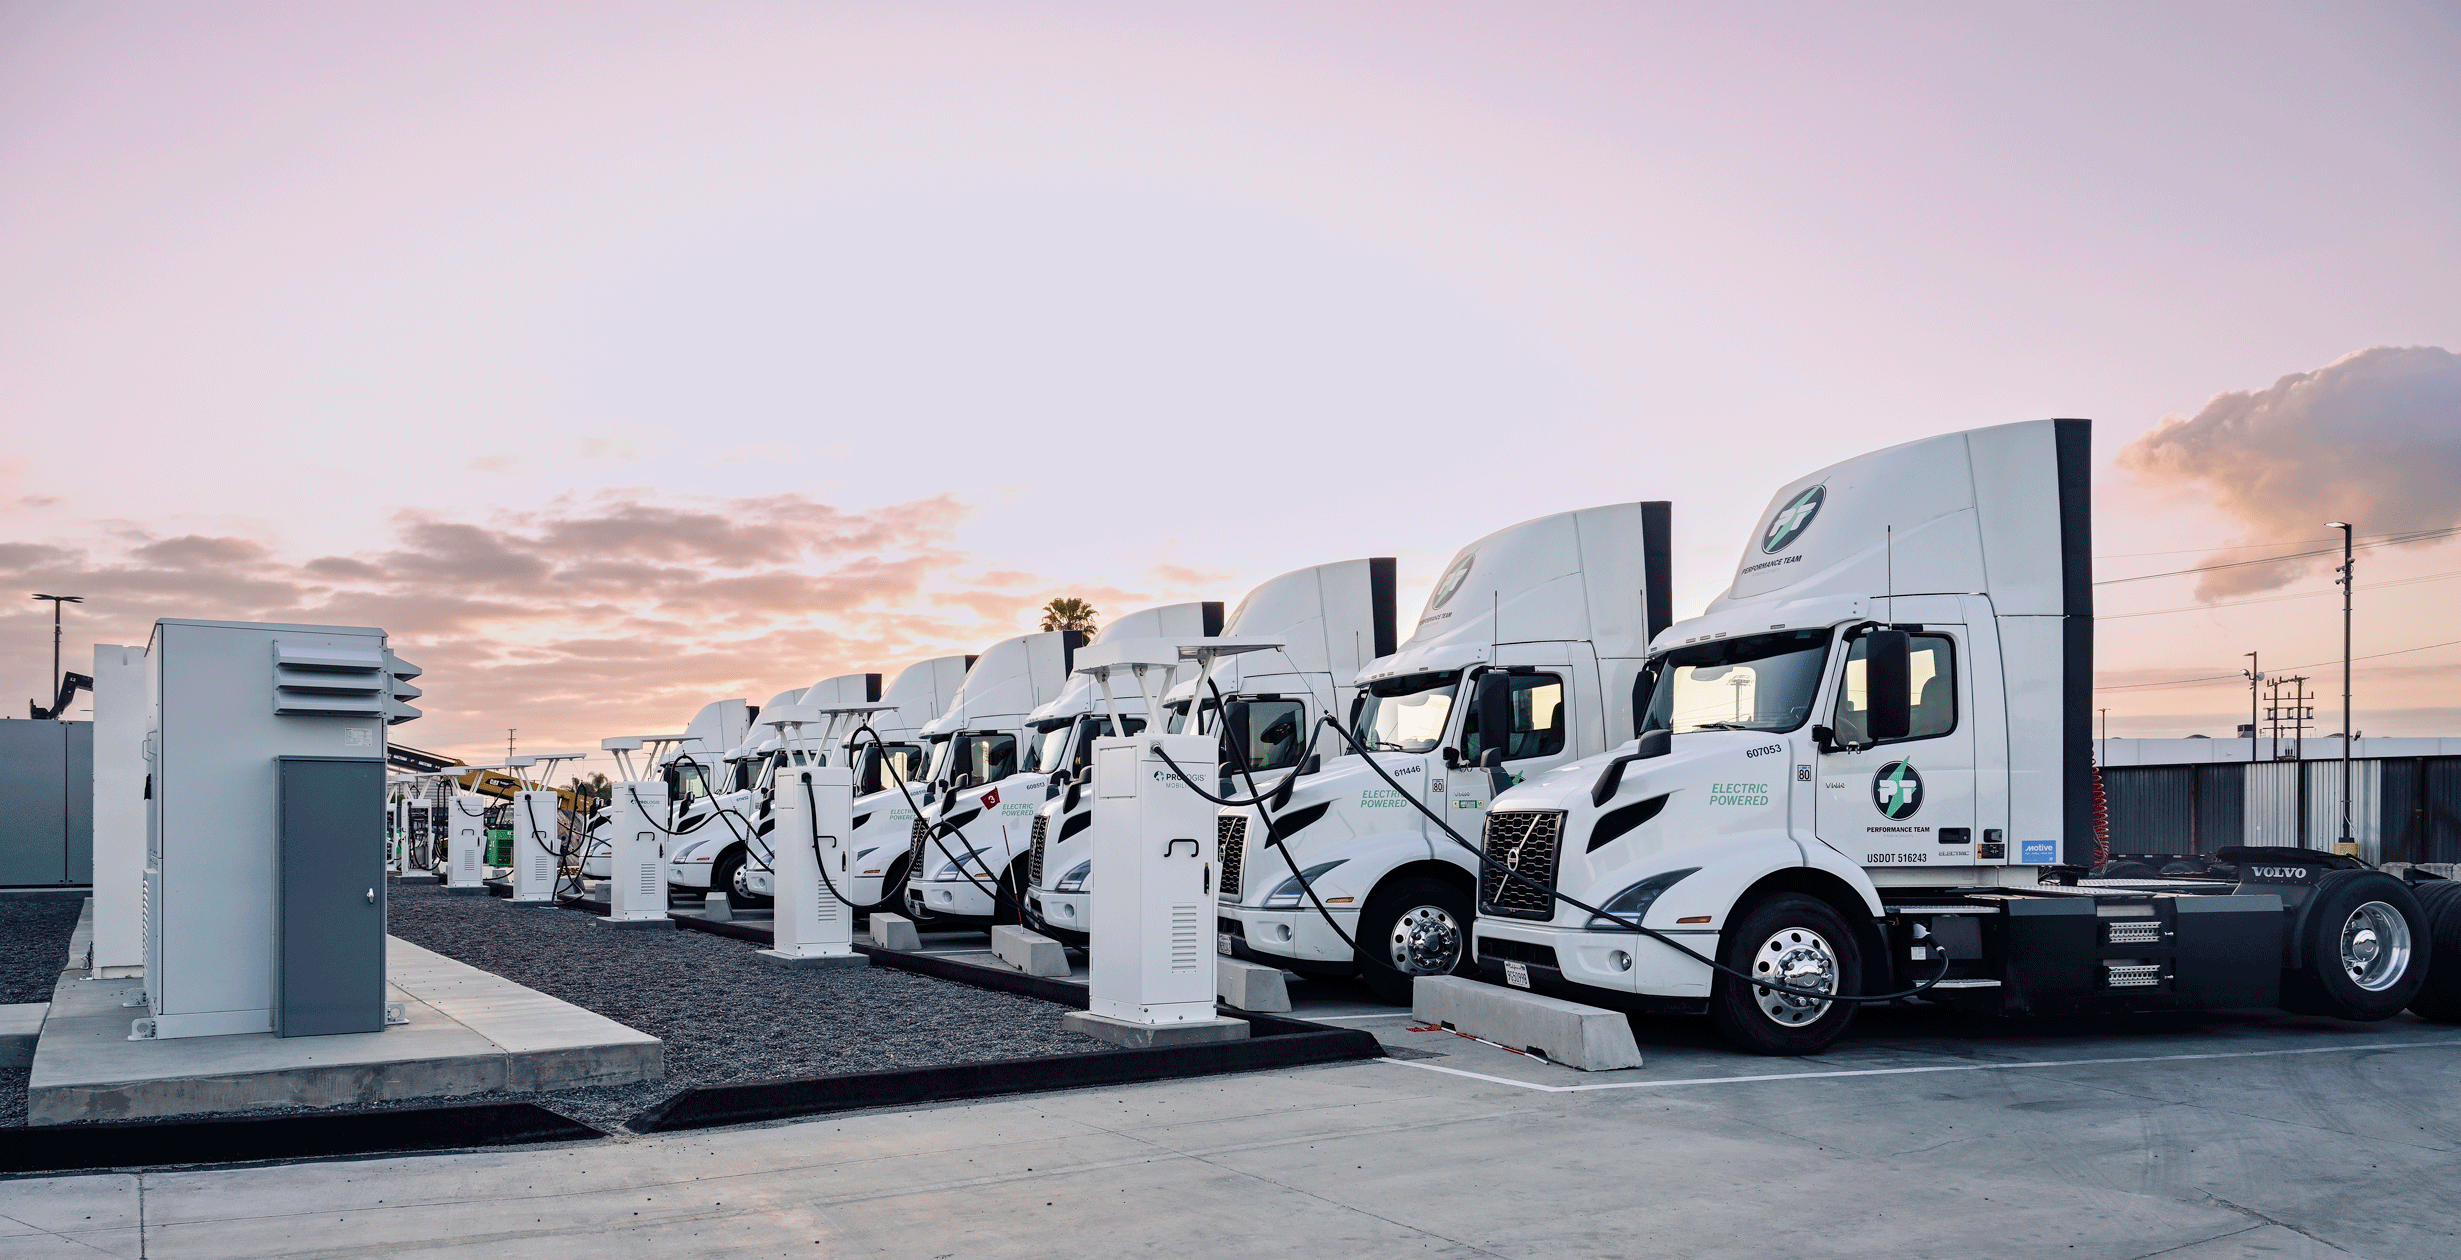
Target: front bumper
{"type": "Point", "coordinates": [688, 875]}
{"type": "Point", "coordinates": [1064, 917]}
{"type": "Point", "coordinates": [1621, 963]}
{"type": "Point", "coordinates": [1280, 937]}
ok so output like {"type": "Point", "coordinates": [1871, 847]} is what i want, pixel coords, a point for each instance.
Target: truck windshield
{"type": "Point", "coordinates": [1407, 714]}
{"type": "Point", "coordinates": [1051, 745]}
{"type": "Point", "coordinates": [1760, 682]}
{"type": "Point", "coordinates": [1179, 716]}
{"type": "Point", "coordinates": [938, 762]}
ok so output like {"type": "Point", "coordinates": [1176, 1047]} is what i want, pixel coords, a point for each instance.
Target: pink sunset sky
{"type": "Point", "coordinates": [621, 357]}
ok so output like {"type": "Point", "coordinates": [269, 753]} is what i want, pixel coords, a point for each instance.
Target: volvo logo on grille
{"type": "Point", "coordinates": [1896, 790]}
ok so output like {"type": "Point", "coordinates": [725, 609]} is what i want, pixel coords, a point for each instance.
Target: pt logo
{"type": "Point", "coordinates": [1897, 791]}
{"type": "Point", "coordinates": [1450, 584]}
{"type": "Point", "coordinates": [1792, 519]}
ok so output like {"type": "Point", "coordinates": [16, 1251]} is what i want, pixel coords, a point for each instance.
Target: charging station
{"type": "Point", "coordinates": [636, 861]}
{"type": "Point", "coordinates": [466, 850]}
{"type": "Point", "coordinates": [813, 806]}
{"type": "Point", "coordinates": [538, 813]}
{"type": "Point", "coordinates": [1151, 971]}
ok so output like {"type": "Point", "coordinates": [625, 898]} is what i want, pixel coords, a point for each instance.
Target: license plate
{"type": "Point", "coordinates": [1221, 943]}
{"type": "Point", "coordinates": [1517, 975]}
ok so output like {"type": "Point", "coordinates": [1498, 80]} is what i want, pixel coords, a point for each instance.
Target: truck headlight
{"type": "Point", "coordinates": [1634, 902]}
{"type": "Point", "coordinates": [948, 870]}
{"type": "Point", "coordinates": [1074, 880]}
{"type": "Point", "coordinates": [1287, 893]}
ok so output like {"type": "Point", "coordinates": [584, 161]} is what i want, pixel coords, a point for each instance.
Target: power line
{"type": "Point", "coordinates": [2274, 599]}
{"type": "Point", "coordinates": [2386, 541]}
{"type": "Point", "coordinates": [2186, 682]}
{"type": "Point", "coordinates": [2196, 551]}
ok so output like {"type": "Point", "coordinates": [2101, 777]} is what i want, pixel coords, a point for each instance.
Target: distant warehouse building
{"type": "Point", "coordinates": [2189, 797]}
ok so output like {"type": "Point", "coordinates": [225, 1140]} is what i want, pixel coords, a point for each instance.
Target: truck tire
{"type": "Point", "coordinates": [2366, 945]}
{"type": "Point", "coordinates": [1008, 906]}
{"type": "Point", "coordinates": [722, 875]}
{"type": "Point", "coordinates": [1788, 933]}
{"type": "Point", "coordinates": [2439, 997]}
{"type": "Point", "coordinates": [892, 888]}
{"type": "Point", "coordinates": [1413, 927]}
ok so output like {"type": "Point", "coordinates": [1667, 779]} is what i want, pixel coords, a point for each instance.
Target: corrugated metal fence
{"type": "Point", "coordinates": [2404, 809]}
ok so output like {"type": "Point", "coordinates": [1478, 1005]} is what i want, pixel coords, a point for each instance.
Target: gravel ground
{"type": "Point", "coordinates": [34, 945]}
{"type": "Point", "coordinates": [34, 934]}
{"type": "Point", "coordinates": [725, 1015]}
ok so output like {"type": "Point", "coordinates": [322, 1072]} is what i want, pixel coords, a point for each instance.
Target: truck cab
{"type": "Point", "coordinates": [1522, 660]}
{"type": "Point", "coordinates": [992, 822]}
{"type": "Point", "coordinates": [882, 822]}
{"type": "Point", "coordinates": [1865, 770]}
{"type": "Point", "coordinates": [1332, 618]}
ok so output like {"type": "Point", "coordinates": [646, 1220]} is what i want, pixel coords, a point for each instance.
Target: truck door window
{"type": "Point", "coordinates": [989, 757]}
{"type": "Point", "coordinates": [1934, 699]}
{"type": "Point", "coordinates": [1537, 720]}
{"type": "Point", "coordinates": [1277, 730]}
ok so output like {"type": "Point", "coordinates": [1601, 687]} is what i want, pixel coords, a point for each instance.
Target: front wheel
{"type": "Point", "coordinates": [726, 876]}
{"type": "Point", "coordinates": [1416, 927]}
{"type": "Point", "coordinates": [1803, 943]}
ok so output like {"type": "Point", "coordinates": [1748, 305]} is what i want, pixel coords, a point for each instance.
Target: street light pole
{"type": "Point", "coordinates": [2348, 581]}
{"type": "Point", "coordinates": [56, 600]}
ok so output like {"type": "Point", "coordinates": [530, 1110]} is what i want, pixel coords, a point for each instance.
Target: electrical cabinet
{"type": "Point", "coordinates": [329, 907]}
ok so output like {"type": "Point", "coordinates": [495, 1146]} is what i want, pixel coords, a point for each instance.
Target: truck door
{"type": "Point", "coordinates": [1903, 802]}
{"type": "Point", "coordinates": [1540, 739]}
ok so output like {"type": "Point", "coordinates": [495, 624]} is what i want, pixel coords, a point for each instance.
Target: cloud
{"type": "Point", "coordinates": [621, 611]}
{"type": "Point", "coordinates": [2373, 438]}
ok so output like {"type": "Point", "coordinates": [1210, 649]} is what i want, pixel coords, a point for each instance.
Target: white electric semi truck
{"type": "Point", "coordinates": [722, 839]}
{"type": "Point", "coordinates": [989, 825]}
{"type": "Point", "coordinates": [1865, 770]}
{"type": "Point", "coordinates": [1523, 660]}
{"type": "Point", "coordinates": [882, 823]}
{"type": "Point", "coordinates": [1333, 618]}
{"type": "Point", "coordinates": [687, 761]}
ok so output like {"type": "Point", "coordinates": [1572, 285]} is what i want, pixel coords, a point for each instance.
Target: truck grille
{"type": "Point", "coordinates": [1231, 841]}
{"type": "Point", "coordinates": [1526, 841]}
{"type": "Point", "coordinates": [1042, 833]}
{"type": "Point", "coordinates": [1517, 951]}
{"type": "Point", "coordinates": [914, 856]}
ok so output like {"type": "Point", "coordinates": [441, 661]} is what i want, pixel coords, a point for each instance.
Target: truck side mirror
{"type": "Point", "coordinates": [1235, 721]}
{"type": "Point", "coordinates": [1494, 711]}
{"type": "Point", "coordinates": [1888, 683]}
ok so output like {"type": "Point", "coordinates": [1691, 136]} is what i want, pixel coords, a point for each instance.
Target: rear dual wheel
{"type": "Point", "coordinates": [2439, 996]}
{"type": "Point", "coordinates": [2366, 942]}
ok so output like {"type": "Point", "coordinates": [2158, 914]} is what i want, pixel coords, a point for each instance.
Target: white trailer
{"type": "Point", "coordinates": [1865, 770]}
{"type": "Point", "coordinates": [991, 824]}
{"type": "Point", "coordinates": [1333, 618]}
{"type": "Point", "coordinates": [1538, 630]}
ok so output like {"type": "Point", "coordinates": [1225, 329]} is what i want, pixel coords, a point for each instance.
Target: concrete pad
{"type": "Point", "coordinates": [609, 921]}
{"type": "Point", "coordinates": [1122, 1032]}
{"type": "Point", "coordinates": [895, 931]}
{"type": "Point", "coordinates": [1028, 951]}
{"type": "Point", "coordinates": [823, 961]}
{"type": "Point", "coordinates": [81, 941]}
{"type": "Point", "coordinates": [1590, 1038]}
{"type": "Point", "coordinates": [469, 1032]}
{"type": "Point", "coordinates": [21, 1024]}
{"type": "Point", "coordinates": [1250, 986]}
{"type": "Point", "coordinates": [480, 889]}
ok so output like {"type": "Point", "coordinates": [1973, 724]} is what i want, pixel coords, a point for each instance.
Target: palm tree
{"type": "Point", "coordinates": [1069, 613]}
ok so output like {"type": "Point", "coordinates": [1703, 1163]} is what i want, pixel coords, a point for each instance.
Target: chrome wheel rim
{"type": "Point", "coordinates": [1800, 958]}
{"type": "Point", "coordinates": [2375, 947]}
{"type": "Point", "coordinates": [1426, 942]}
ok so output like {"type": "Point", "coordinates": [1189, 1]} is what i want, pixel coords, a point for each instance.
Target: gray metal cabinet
{"type": "Point", "coordinates": [329, 908]}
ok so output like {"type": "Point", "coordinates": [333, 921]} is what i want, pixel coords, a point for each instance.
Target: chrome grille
{"type": "Point", "coordinates": [1526, 841]}
{"type": "Point", "coordinates": [914, 856]}
{"type": "Point", "coordinates": [1231, 843]}
{"type": "Point", "coordinates": [1042, 833]}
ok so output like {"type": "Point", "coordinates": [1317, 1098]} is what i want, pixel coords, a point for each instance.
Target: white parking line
{"type": "Point", "coordinates": [1909, 1071]}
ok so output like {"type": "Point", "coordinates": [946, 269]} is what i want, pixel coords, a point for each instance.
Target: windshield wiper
{"type": "Point", "coordinates": [1722, 726]}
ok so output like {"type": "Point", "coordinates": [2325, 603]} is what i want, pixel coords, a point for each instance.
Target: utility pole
{"type": "Point", "coordinates": [56, 600]}
{"type": "Point", "coordinates": [2255, 676]}
{"type": "Point", "coordinates": [508, 742]}
{"type": "Point", "coordinates": [2105, 758]}
{"type": "Point", "coordinates": [2348, 571]}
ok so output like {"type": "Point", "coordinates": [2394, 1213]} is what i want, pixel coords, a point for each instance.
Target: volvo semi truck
{"type": "Point", "coordinates": [723, 837]}
{"type": "Point", "coordinates": [882, 822]}
{"type": "Point", "coordinates": [1523, 660]}
{"type": "Point", "coordinates": [1333, 620]}
{"type": "Point", "coordinates": [1865, 770]}
{"type": "Point", "coordinates": [975, 874]}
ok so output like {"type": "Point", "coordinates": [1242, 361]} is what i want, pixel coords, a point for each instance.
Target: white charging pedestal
{"type": "Point", "coordinates": [466, 852]}
{"type": "Point", "coordinates": [1151, 968]}
{"type": "Point", "coordinates": [537, 845]}
{"type": "Point", "coordinates": [813, 809]}
{"type": "Point", "coordinates": [636, 867]}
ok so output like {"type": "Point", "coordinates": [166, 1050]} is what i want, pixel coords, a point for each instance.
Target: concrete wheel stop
{"type": "Point", "coordinates": [1590, 1038]}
